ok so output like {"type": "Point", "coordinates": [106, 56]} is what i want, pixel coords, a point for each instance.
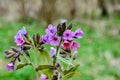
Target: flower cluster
{"type": "Point", "coordinates": [51, 37]}
{"type": "Point", "coordinates": [67, 36]}
{"type": "Point", "coordinates": [64, 49]}
{"type": "Point", "coordinates": [18, 38]}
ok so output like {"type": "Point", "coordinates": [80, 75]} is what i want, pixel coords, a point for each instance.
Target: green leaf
{"type": "Point", "coordinates": [69, 75]}
{"type": "Point", "coordinates": [64, 60]}
{"type": "Point", "coordinates": [44, 58]}
{"type": "Point", "coordinates": [22, 65]}
{"type": "Point", "coordinates": [49, 73]}
{"type": "Point", "coordinates": [71, 70]}
{"type": "Point", "coordinates": [42, 67]}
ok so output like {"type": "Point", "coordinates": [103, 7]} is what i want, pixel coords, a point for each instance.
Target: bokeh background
{"type": "Point", "coordinates": [99, 55]}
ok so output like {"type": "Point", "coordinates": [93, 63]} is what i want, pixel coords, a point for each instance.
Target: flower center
{"type": "Point", "coordinates": [67, 34]}
{"type": "Point", "coordinates": [76, 33]}
{"type": "Point", "coordinates": [52, 31]}
{"type": "Point", "coordinates": [55, 38]}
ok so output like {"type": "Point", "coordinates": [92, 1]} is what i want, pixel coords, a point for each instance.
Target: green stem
{"type": "Point", "coordinates": [55, 58]}
{"type": "Point", "coordinates": [71, 59]}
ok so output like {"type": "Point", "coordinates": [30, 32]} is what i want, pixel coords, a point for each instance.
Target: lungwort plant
{"type": "Point", "coordinates": [57, 64]}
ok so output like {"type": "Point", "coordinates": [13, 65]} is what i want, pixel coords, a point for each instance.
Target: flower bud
{"type": "Point", "coordinates": [16, 54]}
{"type": "Point", "coordinates": [61, 29]}
{"type": "Point", "coordinates": [25, 47]}
{"type": "Point", "coordinates": [14, 49]}
{"type": "Point", "coordinates": [38, 38]}
{"type": "Point", "coordinates": [8, 52]}
{"type": "Point", "coordinates": [69, 27]}
{"type": "Point", "coordinates": [9, 55]}
{"type": "Point", "coordinates": [34, 39]}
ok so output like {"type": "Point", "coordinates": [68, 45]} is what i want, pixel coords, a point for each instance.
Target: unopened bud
{"type": "Point", "coordinates": [14, 49]}
{"type": "Point", "coordinates": [8, 52]}
{"type": "Point", "coordinates": [69, 27]}
{"type": "Point", "coordinates": [34, 39]}
{"type": "Point", "coordinates": [25, 47]}
{"type": "Point", "coordinates": [37, 38]}
{"type": "Point", "coordinates": [9, 55]}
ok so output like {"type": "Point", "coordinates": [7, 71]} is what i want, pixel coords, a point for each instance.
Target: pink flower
{"type": "Point", "coordinates": [54, 40]}
{"type": "Point", "coordinates": [74, 45]}
{"type": "Point", "coordinates": [43, 77]}
{"type": "Point", "coordinates": [78, 33]}
{"type": "Point", "coordinates": [19, 39]}
{"type": "Point", "coordinates": [51, 30]}
{"type": "Point", "coordinates": [68, 35]}
{"type": "Point", "coordinates": [66, 45]}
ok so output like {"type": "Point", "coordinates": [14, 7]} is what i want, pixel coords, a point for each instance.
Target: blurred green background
{"type": "Point", "coordinates": [99, 55]}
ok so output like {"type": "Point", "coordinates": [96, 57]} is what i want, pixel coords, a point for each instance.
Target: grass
{"type": "Point", "coordinates": [99, 55]}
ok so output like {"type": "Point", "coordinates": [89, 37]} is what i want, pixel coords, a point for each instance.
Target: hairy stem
{"type": "Point", "coordinates": [37, 76]}
{"type": "Point", "coordinates": [71, 59]}
{"type": "Point", "coordinates": [55, 58]}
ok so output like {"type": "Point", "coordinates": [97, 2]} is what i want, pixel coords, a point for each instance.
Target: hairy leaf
{"type": "Point", "coordinates": [42, 67]}
{"type": "Point", "coordinates": [71, 70]}
{"type": "Point", "coordinates": [22, 65]}
{"type": "Point", "coordinates": [49, 73]}
{"type": "Point", "coordinates": [64, 60]}
{"type": "Point", "coordinates": [44, 58]}
{"type": "Point", "coordinates": [69, 75]}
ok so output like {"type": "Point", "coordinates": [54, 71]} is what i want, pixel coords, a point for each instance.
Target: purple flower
{"type": "Point", "coordinates": [19, 39]}
{"type": "Point", "coordinates": [10, 66]}
{"type": "Point", "coordinates": [74, 45]}
{"type": "Point", "coordinates": [54, 40]}
{"type": "Point", "coordinates": [68, 35]}
{"type": "Point", "coordinates": [45, 39]}
{"type": "Point", "coordinates": [78, 33]}
{"type": "Point", "coordinates": [52, 51]}
{"type": "Point", "coordinates": [43, 77]}
{"type": "Point", "coordinates": [23, 31]}
{"type": "Point", "coordinates": [51, 30]}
